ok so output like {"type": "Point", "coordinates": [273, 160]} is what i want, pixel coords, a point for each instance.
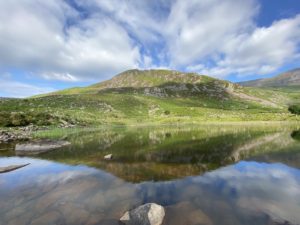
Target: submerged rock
{"type": "Point", "coordinates": [148, 214]}
{"type": "Point", "coordinates": [186, 213]}
{"type": "Point", "coordinates": [108, 157]}
{"type": "Point", "coordinates": [40, 146]}
{"type": "Point", "coordinates": [7, 169]}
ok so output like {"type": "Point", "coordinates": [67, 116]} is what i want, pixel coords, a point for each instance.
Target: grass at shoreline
{"type": "Point", "coordinates": [54, 132]}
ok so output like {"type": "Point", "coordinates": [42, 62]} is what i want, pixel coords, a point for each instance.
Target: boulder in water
{"type": "Point", "coordinates": [186, 213]}
{"type": "Point", "coordinates": [108, 157]}
{"type": "Point", "coordinates": [40, 146]}
{"type": "Point", "coordinates": [148, 214]}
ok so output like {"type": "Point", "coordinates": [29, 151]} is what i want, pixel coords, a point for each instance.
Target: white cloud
{"type": "Point", "coordinates": [221, 38]}
{"type": "Point", "coordinates": [265, 49]}
{"type": "Point", "coordinates": [60, 76]}
{"type": "Point", "coordinates": [56, 41]}
{"type": "Point", "coordinates": [14, 89]}
{"type": "Point", "coordinates": [211, 37]}
{"type": "Point", "coordinates": [199, 29]}
{"type": "Point", "coordinates": [143, 19]}
{"type": "Point", "coordinates": [48, 37]}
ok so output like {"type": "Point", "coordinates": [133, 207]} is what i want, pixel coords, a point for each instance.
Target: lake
{"type": "Point", "coordinates": [202, 174]}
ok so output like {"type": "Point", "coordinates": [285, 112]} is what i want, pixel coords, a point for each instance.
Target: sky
{"type": "Point", "coordinates": [56, 44]}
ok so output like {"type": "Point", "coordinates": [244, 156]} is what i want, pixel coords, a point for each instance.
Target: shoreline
{"type": "Point", "coordinates": [13, 134]}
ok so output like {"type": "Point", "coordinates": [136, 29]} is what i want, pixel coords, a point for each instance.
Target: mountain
{"type": "Point", "coordinates": [160, 83]}
{"type": "Point", "coordinates": [149, 96]}
{"type": "Point", "coordinates": [150, 78]}
{"type": "Point", "coordinates": [170, 84]}
{"type": "Point", "coordinates": [290, 78]}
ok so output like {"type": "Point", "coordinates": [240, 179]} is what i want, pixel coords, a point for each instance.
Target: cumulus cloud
{"type": "Point", "coordinates": [199, 29]}
{"type": "Point", "coordinates": [262, 51]}
{"type": "Point", "coordinates": [95, 39]}
{"type": "Point", "coordinates": [143, 19]}
{"type": "Point", "coordinates": [51, 37]}
{"type": "Point", "coordinates": [221, 38]}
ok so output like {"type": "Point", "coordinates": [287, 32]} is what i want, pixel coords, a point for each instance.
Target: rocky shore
{"type": "Point", "coordinates": [24, 145]}
{"type": "Point", "coordinates": [19, 133]}
{"type": "Point", "coordinates": [11, 136]}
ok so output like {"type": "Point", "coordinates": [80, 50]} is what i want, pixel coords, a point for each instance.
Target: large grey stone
{"type": "Point", "coordinates": [40, 146]}
{"type": "Point", "coordinates": [148, 214]}
{"type": "Point", "coordinates": [108, 157]}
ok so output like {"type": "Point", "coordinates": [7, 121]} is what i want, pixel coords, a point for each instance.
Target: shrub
{"type": "Point", "coordinates": [167, 112]}
{"type": "Point", "coordinates": [4, 119]}
{"type": "Point", "coordinates": [15, 119]}
{"type": "Point", "coordinates": [18, 119]}
{"type": "Point", "coordinates": [295, 109]}
{"type": "Point", "coordinates": [41, 119]}
{"type": "Point", "coordinates": [296, 135]}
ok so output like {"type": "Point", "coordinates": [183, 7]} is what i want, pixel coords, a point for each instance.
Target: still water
{"type": "Point", "coordinates": [201, 174]}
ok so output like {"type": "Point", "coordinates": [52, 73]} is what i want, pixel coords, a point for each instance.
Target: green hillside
{"type": "Point", "coordinates": [151, 96]}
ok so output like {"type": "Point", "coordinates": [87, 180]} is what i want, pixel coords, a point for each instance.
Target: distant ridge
{"type": "Point", "coordinates": [289, 78]}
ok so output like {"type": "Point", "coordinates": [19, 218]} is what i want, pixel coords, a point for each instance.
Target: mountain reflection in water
{"type": "Point", "coordinates": [166, 153]}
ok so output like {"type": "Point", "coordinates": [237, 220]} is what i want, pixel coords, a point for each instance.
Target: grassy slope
{"type": "Point", "coordinates": [173, 97]}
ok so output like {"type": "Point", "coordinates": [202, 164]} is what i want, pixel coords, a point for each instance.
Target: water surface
{"type": "Point", "coordinates": [201, 174]}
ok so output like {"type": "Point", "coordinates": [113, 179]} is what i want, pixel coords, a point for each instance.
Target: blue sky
{"type": "Point", "coordinates": [56, 44]}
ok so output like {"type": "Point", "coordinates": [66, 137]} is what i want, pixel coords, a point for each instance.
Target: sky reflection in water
{"type": "Point", "coordinates": [244, 193]}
